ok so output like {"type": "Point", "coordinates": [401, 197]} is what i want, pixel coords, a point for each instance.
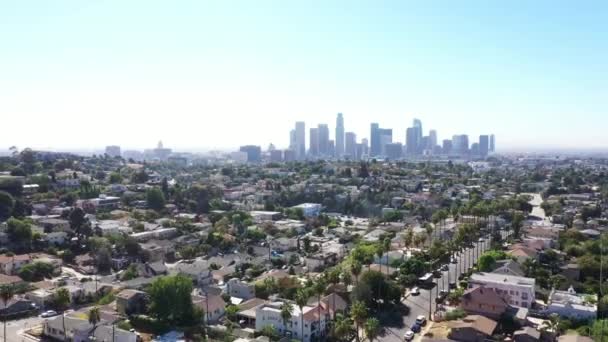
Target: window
{"type": "Point", "coordinates": [512, 292]}
{"type": "Point", "coordinates": [524, 296]}
{"type": "Point", "coordinates": [524, 304]}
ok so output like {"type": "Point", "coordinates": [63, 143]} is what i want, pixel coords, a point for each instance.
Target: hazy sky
{"type": "Point", "coordinates": [218, 74]}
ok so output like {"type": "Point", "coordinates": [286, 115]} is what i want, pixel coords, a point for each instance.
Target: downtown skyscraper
{"type": "Point", "coordinates": [339, 136]}
{"type": "Point", "coordinates": [300, 140]}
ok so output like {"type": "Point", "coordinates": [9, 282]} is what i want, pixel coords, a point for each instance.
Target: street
{"type": "Point", "coordinates": [419, 304]}
{"type": "Point", "coordinates": [15, 329]}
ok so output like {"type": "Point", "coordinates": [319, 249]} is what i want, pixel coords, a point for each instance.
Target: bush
{"type": "Point", "coordinates": [149, 325]}
{"type": "Point", "coordinates": [455, 314]}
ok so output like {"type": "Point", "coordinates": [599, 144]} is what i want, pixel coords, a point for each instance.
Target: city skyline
{"type": "Point", "coordinates": [532, 73]}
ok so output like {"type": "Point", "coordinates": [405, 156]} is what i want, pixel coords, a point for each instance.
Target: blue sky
{"type": "Point", "coordinates": [218, 74]}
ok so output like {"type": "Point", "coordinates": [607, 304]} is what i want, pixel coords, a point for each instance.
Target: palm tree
{"type": "Point", "coordinates": [334, 278]}
{"type": "Point", "coordinates": [358, 313]}
{"type": "Point", "coordinates": [387, 248]}
{"type": "Point", "coordinates": [94, 316]}
{"type": "Point", "coordinates": [7, 293]}
{"type": "Point", "coordinates": [301, 301]}
{"type": "Point", "coordinates": [319, 289]}
{"type": "Point", "coordinates": [62, 301]}
{"type": "Point", "coordinates": [286, 313]}
{"type": "Point", "coordinates": [355, 268]}
{"type": "Point", "coordinates": [554, 324]}
{"type": "Point", "coordinates": [372, 329]}
{"type": "Point", "coordinates": [342, 328]}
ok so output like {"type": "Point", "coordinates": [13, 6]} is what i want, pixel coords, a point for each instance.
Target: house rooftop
{"type": "Point", "coordinates": [502, 278]}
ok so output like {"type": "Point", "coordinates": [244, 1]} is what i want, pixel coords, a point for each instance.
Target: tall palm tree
{"type": "Point", "coordinates": [94, 316]}
{"type": "Point", "coordinates": [358, 313]}
{"type": "Point", "coordinates": [301, 301]}
{"type": "Point", "coordinates": [319, 289]}
{"type": "Point", "coordinates": [355, 269]}
{"type": "Point", "coordinates": [342, 328]}
{"type": "Point", "coordinates": [286, 313]}
{"type": "Point", "coordinates": [62, 301]}
{"type": "Point", "coordinates": [372, 328]}
{"type": "Point", "coordinates": [334, 278]}
{"type": "Point", "coordinates": [7, 293]}
{"type": "Point", "coordinates": [387, 248]}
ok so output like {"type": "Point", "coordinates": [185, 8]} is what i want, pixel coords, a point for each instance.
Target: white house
{"type": "Point", "coordinates": [572, 305]}
{"type": "Point", "coordinates": [56, 238]}
{"type": "Point", "coordinates": [240, 289]}
{"type": "Point", "coordinates": [270, 314]}
{"type": "Point", "coordinates": [519, 291]}
{"type": "Point", "coordinates": [309, 209]}
{"type": "Point", "coordinates": [80, 330]}
{"type": "Point", "coordinates": [10, 265]}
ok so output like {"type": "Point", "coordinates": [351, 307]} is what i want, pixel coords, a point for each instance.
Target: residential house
{"type": "Point", "coordinates": [270, 314]}
{"type": "Point", "coordinates": [158, 250]}
{"type": "Point", "coordinates": [521, 290]}
{"type": "Point", "coordinates": [485, 302]}
{"type": "Point", "coordinates": [10, 265]}
{"type": "Point", "coordinates": [473, 328]}
{"type": "Point", "coordinates": [309, 209]}
{"type": "Point", "coordinates": [213, 306]}
{"type": "Point", "coordinates": [17, 307]}
{"type": "Point", "coordinates": [56, 238]}
{"type": "Point", "coordinates": [80, 330]}
{"type": "Point", "coordinates": [130, 301]}
{"type": "Point", "coordinates": [239, 289]}
{"type": "Point", "coordinates": [509, 267]}
{"type": "Point", "coordinates": [571, 305]}
{"type": "Point", "coordinates": [527, 334]}
{"type": "Point", "coordinates": [8, 280]}
{"type": "Point", "coordinates": [320, 261]}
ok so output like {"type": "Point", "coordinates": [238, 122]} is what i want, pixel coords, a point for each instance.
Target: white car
{"type": "Point", "coordinates": [409, 335]}
{"type": "Point", "coordinates": [421, 320]}
{"type": "Point", "coordinates": [415, 291]}
{"type": "Point", "coordinates": [49, 313]}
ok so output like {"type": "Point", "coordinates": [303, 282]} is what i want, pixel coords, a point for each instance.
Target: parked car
{"type": "Point", "coordinates": [409, 335]}
{"type": "Point", "coordinates": [415, 291]}
{"type": "Point", "coordinates": [49, 313]}
{"type": "Point", "coordinates": [437, 273]}
{"type": "Point", "coordinates": [453, 260]}
{"type": "Point", "coordinates": [445, 268]}
{"type": "Point", "coordinates": [441, 296]}
{"type": "Point", "coordinates": [416, 328]}
{"type": "Point", "coordinates": [421, 320]}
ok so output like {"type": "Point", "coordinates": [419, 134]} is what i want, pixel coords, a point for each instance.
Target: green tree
{"type": "Point", "coordinates": [7, 202]}
{"type": "Point", "coordinates": [94, 316]}
{"type": "Point", "coordinates": [286, 312]}
{"type": "Point", "coordinates": [342, 329]}
{"type": "Point", "coordinates": [115, 178]}
{"type": "Point", "coordinates": [301, 301]}
{"type": "Point", "coordinates": [19, 232]}
{"type": "Point", "coordinates": [372, 329]}
{"type": "Point", "coordinates": [355, 269]}
{"type": "Point", "coordinates": [358, 313]}
{"type": "Point", "coordinates": [155, 199]}
{"type": "Point", "coordinates": [62, 301]}
{"type": "Point", "coordinates": [7, 293]}
{"type": "Point", "coordinates": [170, 299]}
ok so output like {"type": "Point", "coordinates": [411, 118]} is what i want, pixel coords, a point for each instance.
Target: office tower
{"type": "Point", "coordinates": [393, 151]}
{"type": "Point", "coordinates": [484, 145]}
{"type": "Point", "coordinates": [446, 147]}
{"type": "Point", "coordinates": [432, 140]}
{"type": "Point", "coordinates": [289, 155]}
{"type": "Point", "coordinates": [350, 145]}
{"type": "Point", "coordinates": [492, 143]}
{"type": "Point", "coordinates": [460, 144]}
{"type": "Point", "coordinates": [417, 125]}
{"type": "Point", "coordinates": [254, 153]}
{"type": "Point", "coordinates": [339, 136]}
{"type": "Point", "coordinates": [364, 148]}
{"type": "Point", "coordinates": [292, 139]}
{"type": "Point", "coordinates": [386, 137]}
{"type": "Point", "coordinates": [331, 149]}
{"type": "Point", "coordinates": [411, 138]}
{"type": "Point", "coordinates": [300, 139]}
{"type": "Point", "coordinates": [323, 131]}
{"type": "Point", "coordinates": [374, 137]}
{"type": "Point", "coordinates": [161, 152]}
{"type": "Point", "coordinates": [276, 156]}
{"type": "Point", "coordinates": [113, 151]}
{"type": "Point", "coordinates": [475, 149]}
{"type": "Point", "coordinates": [313, 148]}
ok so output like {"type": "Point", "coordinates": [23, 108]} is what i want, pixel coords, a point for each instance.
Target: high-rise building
{"type": "Point", "coordinates": [432, 140]}
{"type": "Point", "coordinates": [292, 139]}
{"type": "Point", "coordinates": [113, 151]}
{"type": "Point", "coordinates": [460, 144]}
{"type": "Point", "coordinates": [276, 156]}
{"type": "Point", "coordinates": [300, 139]}
{"type": "Point", "coordinates": [313, 148]}
{"type": "Point", "coordinates": [386, 137]}
{"type": "Point", "coordinates": [411, 140]}
{"type": "Point", "coordinates": [484, 145]}
{"type": "Point", "coordinates": [339, 136]}
{"type": "Point", "coordinates": [417, 125]}
{"type": "Point", "coordinates": [492, 143]}
{"type": "Point", "coordinates": [475, 149]}
{"type": "Point", "coordinates": [393, 151]}
{"type": "Point", "coordinates": [446, 147]}
{"type": "Point", "coordinates": [289, 155]}
{"type": "Point", "coordinates": [350, 145]}
{"type": "Point", "coordinates": [364, 148]}
{"type": "Point", "coordinates": [254, 153]}
{"type": "Point", "coordinates": [374, 137]}
{"type": "Point", "coordinates": [323, 139]}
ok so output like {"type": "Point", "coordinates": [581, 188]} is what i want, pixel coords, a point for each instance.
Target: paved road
{"type": "Point", "coordinates": [15, 329]}
{"type": "Point", "coordinates": [419, 304]}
